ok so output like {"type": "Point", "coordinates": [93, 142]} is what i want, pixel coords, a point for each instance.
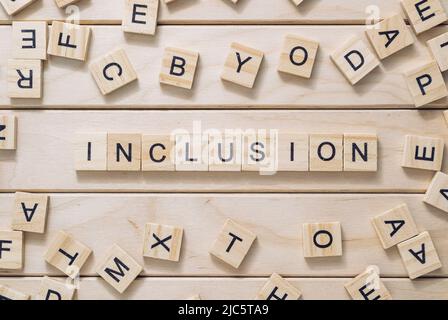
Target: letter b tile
{"type": "Point", "coordinates": [179, 67]}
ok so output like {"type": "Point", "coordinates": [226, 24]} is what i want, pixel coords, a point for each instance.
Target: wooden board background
{"type": "Point", "coordinates": [105, 208]}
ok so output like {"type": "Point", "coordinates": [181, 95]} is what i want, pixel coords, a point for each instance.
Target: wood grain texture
{"type": "Point", "coordinates": [45, 161]}
{"type": "Point", "coordinates": [384, 88]}
{"type": "Point", "coordinates": [100, 220]}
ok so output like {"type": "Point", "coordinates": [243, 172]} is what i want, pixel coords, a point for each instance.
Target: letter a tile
{"type": "Point", "coordinates": [437, 193]}
{"type": "Point", "coordinates": [30, 212]}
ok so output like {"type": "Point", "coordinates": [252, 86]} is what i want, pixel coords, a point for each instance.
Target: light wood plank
{"type": "Point", "coordinates": [100, 220]}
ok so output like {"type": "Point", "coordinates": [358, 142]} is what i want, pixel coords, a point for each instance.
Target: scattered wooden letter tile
{"type": "Point", "coordinates": [439, 50]}
{"type": "Point", "coordinates": [445, 115]}
{"type": "Point", "coordinates": [64, 3]}
{"type": "Point", "coordinates": [67, 254]}
{"type": "Point", "coordinates": [192, 152]}
{"type": "Point", "coordinates": [225, 152]}
{"type": "Point", "coordinates": [423, 153]}
{"type": "Point", "coordinates": [426, 84]}
{"type": "Point", "coordinates": [8, 132]}
{"type": "Point", "coordinates": [355, 60]}
{"type": "Point", "coordinates": [242, 65]}
{"type": "Point", "coordinates": [297, 2]}
{"type": "Point", "coordinates": [140, 16]}
{"type": "Point", "coordinates": [437, 193]}
{"type": "Point", "coordinates": [158, 152]}
{"type": "Point", "coordinates": [15, 6]}
{"type": "Point", "coordinates": [24, 78]}
{"type": "Point", "coordinates": [258, 152]}
{"type": "Point", "coordinates": [394, 226]}
{"type": "Point", "coordinates": [326, 152]}
{"type": "Point", "coordinates": [124, 152]}
{"type": "Point", "coordinates": [298, 56]}
{"type": "Point", "coordinates": [390, 36]}
{"type": "Point", "coordinates": [424, 14]}
{"type": "Point", "coordinates": [112, 71]}
{"type": "Point", "coordinates": [368, 286]}
{"type": "Point", "coordinates": [360, 152]}
{"type": "Point", "coordinates": [278, 288]}
{"type": "Point", "coordinates": [11, 250]}
{"type": "Point", "coordinates": [29, 40]}
{"type": "Point", "coordinates": [91, 151]}
{"type": "Point", "coordinates": [233, 244]}
{"type": "Point", "coordinates": [118, 268]}
{"type": "Point", "coordinates": [322, 240]}
{"type": "Point", "coordinates": [293, 152]}
{"type": "Point", "coordinates": [179, 67]}
{"type": "Point", "coordinates": [162, 242]}
{"type": "Point", "coordinates": [195, 297]}
{"type": "Point", "coordinates": [30, 212]}
{"type": "Point", "coordinates": [7, 293]}
{"type": "Point", "coordinates": [69, 40]}
{"type": "Point", "coordinates": [52, 289]}
{"type": "Point", "coordinates": [419, 255]}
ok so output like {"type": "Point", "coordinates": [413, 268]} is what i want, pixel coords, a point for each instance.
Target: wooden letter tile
{"type": "Point", "coordinates": [15, 6]}
{"type": "Point", "coordinates": [67, 254]}
{"type": "Point", "coordinates": [437, 193]}
{"type": "Point", "coordinates": [124, 152]}
{"type": "Point", "coordinates": [64, 3]}
{"type": "Point", "coordinates": [29, 40]}
{"type": "Point", "coordinates": [112, 71]}
{"type": "Point", "coordinates": [191, 152]}
{"type": "Point", "coordinates": [322, 240]}
{"type": "Point", "coordinates": [179, 67]}
{"type": "Point", "coordinates": [91, 151]}
{"type": "Point", "coordinates": [7, 293]}
{"type": "Point", "coordinates": [69, 40]}
{"type": "Point", "coordinates": [8, 132]}
{"type": "Point", "coordinates": [225, 152]}
{"type": "Point", "coordinates": [423, 153]}
{"type": "Point", "coordinates": [326, 152]}
{"type": "Point", "coordinates": [293, 152]}
{"type": "Point", "coordinates": [424, 14]}
{"type": "Point", "coordinates": [426, 84]}
{"type": "Point", "coordinates": [162, 242]}
{"type": "Point", "coordinates": [24, 78]}
{"type": "Point", "coordinates": [242, 65]}
{"type": "Point", "coordinates": [360, 152]}
{"type": "Point", "coordinates": [233, 244]}
{"type": "Point", "coordinates": [439, 50]}
{"type": "Point", "coordinates": [30, 212]}
{"type": "Point", "coordinates": [52, 289]}
{"type": "Point", "coordinates": [278, 288]}
{"type": "Point", "coordinates": [140, 16]}
{"type": "Point", "coordinates": [158, 152]}
{"type": "Point", "coordinates": [394, 226]}
{"type": "Point", "coordinates": [368, 286]}
{"type": "Point", "coordinates": [390, 36]}
{"type": "Point", "coordinates": [297, 2]}
{"type": "Point", "coordinates": [195, 297]}
{"type": "Point", "coordinates": [298, 56]}
{"type": "Point", "coordinates": [355, 60]}
{"type": "Point", "coordinates": [419, 255]}
{"type": "Point", "coordinates": [11, 250]}
{"type": "Point", "coordinates": [259, 152]}
{"type": "Point", "coordinates": [119, 269]}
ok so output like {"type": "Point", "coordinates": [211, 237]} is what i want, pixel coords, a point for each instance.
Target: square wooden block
{"type": "Point", "coordinates": [225, 152]}
{"type": "Point", "coordinates": [64, 3]}
{"type": "Point", "coordinates": [29, 40]}
{"type": "Point", "coordinates": [419, 255]}
{"type": "Point", "coordinates": [25, 79]}
{"type": "Point", "coordinates": [278, 288]}
{"type": "Point", "coordinates": [293, 152]}
{"type": "Point", "coordinates": [355, 60]}
{"type": "Point", "coordinates": [368, 286]}
{"type": "Point", "coordinates": [158, 152]}
{"type": "Point", "coordinates": [192, 152]}
{"type": "Point", "coordinates": [424, 14]}
{"type": "Point", "coordinates": [298, 56]}
{"type": "Point", "coordinates": [8, 132]}
{"type": "Point", "coordinates": [162, 242]}
{"type": "Point", "coordinates": [15, 6]}
{"type": "Point", "coordinates": [7, 293]}
{"type": "Point", "coordinates": [322, 240]}
{"type": "Point", "coordinates": [297, 2]}
{"type": "Point", "coordinates": [91, 151]}
{"type": "Point", "coordinates": [233, 244]}
{"type": "Point", "coordinates": [11, 250]}
{"type": "Point", "coordinates": [390, 36]}
{"type": "Point", "coordinates": [67, 254]}
{"type": "Point", "coordinates": [259, 152]}
{"type": "Point", "coordinates": [439, 50]}
{"type": "Point", "coordinates": [30, 213]}
{"type": "Point", "coordinates": [140, 16]}
{"type": "Point", "coordinates": [124, 151]}
{"type": "Point", "coordinates": [437, 193]}
{"type": "Point", "coordinates": [52, 289]}
{"type": "Point", "coordinates": [179, 67]}
{"type": "Point", "coordinates": [242, 65]}
{"type": "Point", "coordinates": [361, 152]}
{"type": "Point", "coordinates": [423, 153]}
{"type": "Point", "coordinates": [69, 40]}
{"type": "Point", "coordinates": [326, 152]}
{"type": "Point", "coordinates": [118, 268]}
{"type": "Point", "coordinates": [112, 71]}
{"type": "Point", "coordinates": [394, 226]}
